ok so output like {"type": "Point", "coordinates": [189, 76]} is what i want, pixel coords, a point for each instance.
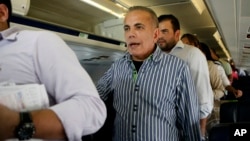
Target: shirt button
{"type": "Point", "coordinates": [135, 107]}
{"type": "Point", "coordinates": [133, 128]}
{"type": "Point", "coordinates": [136, 87]}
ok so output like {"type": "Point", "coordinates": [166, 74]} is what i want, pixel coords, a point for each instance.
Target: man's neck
{"type": "Point", "coordinates": [3, 26]}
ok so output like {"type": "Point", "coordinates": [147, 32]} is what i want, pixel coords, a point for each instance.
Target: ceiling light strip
{"type": "Point", "coordinates": [218, 39]}
{"type": "Point", "coordinates": [99, 6]}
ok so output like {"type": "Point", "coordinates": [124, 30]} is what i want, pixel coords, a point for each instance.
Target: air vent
{"type": "Point", "coordinates": [246, 49]}
{"type": "Point", "coordinates": [244, 52]}
{"type": "Point", "coordinates": [246, 46]}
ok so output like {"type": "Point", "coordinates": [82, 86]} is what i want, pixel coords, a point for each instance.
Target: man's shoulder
{"type": "Point", "coordinates": [122, 60]}
{"type": "Point", "coordinates": [189, 53]}
{"type": "Point", "coordinates": [170, 59]}
{"type": "Point", "coordinates": [192, 49]}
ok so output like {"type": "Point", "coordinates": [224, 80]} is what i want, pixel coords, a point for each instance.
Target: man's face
{"type": "Point", "coordinates": [167, 37]}
{"type": "Point", "coordinates": [3, 17]}
{"type": "Point", "coordinates": [140, 34]}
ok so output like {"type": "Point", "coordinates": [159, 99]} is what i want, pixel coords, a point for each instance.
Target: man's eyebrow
{"type": "Point", "coordinates": [137, 24]}
{"type": "Point", "coordinates": [164, 29]}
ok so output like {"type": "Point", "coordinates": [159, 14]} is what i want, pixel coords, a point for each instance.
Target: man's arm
{"type": "Point", "coordinates": [188, 107]}
{"type": "Point", "coordinates": [200, 74]}
{"type": "Point", "coordinates": [47, 124]}
{"type": "Point", "coordinates": [104, 85]}
{"type": "Point", "coordinates": [74, 98]}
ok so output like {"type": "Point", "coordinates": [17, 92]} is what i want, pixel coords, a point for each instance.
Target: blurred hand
{"type": "Point", "coordinates": [238, 93]}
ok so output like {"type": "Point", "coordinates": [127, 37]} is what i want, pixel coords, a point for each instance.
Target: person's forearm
{"type": "Point", "coordinates": [203, 123]}
{"type": "Point", "coordinates": [48, 125]}
{"type": "Point", "coordinates": [231, 89]}
{"type": "Point", "coordinates": [9, 119]}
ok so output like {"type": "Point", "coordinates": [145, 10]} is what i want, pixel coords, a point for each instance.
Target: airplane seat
{"type": "Point", "coordinates": [219, 132]}
{"type": "Point", "coordinates": [242, 83]}
{"type": "Point", "coordinates": [233, 115]}
{"type": "Point", "coordinates": [232, 112]}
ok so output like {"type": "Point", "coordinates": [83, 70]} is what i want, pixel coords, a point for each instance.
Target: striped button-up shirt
{"type": "Point", "coordinates": [160, 104]}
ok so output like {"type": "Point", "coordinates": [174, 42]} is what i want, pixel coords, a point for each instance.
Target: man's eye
{"type": "Point", "coordinates": [126, 28]}
{"type": "Point", "coordinates": [139, 27]}
{"type": "Point", "coordinates": [164, 31]}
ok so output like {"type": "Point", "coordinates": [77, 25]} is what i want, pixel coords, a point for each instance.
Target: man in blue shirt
{"type": "Point", "coordinates": [153, 93]}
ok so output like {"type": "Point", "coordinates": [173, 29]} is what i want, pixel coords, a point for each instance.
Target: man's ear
{"type": "Point", "coordinates": [3, 13]}
{"type": "Point", "coordinates": [177, 35]}
{"type": "Point", "coordinates": [156, 34]}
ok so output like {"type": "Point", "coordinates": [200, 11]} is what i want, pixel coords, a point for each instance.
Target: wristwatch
{"type": "Point", "coordinates": [26, 129]}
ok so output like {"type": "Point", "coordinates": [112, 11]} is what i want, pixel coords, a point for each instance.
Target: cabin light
{"type": "Point", "coordinates": [218, 39]}
{"type": "Point", "coordinates": [118, 4]}
{"type": "Point", "coordinates": [97, 5]}
{"type": "Point", "coordinates": [199, 5]}
{"type": "Point", "coordinates": [121, 4]}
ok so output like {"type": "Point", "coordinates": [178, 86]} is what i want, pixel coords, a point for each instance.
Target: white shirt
{"type": "Point", "coordinates": [42, 57]}
{"type": "Point", "coordinates": [223, 75]}
{"type": "Point", "coordinates": [199, 70]}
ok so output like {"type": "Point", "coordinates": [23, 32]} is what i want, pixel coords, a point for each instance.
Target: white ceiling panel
{"type": "Point", "coordinates": [229, 17]}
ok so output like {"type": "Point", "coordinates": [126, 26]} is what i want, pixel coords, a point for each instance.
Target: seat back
{"type": "Point", "coordinates": [233, 112]}
{"type": "Point", "coordinates": [219, 132]}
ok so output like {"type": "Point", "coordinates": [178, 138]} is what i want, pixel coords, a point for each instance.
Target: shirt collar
{"type": "Point", "coordinates": [10, 33]}
{"type": "Point", "coordinates": [179, 45]}
{"type": "Point", "coordinates": [155, 56]}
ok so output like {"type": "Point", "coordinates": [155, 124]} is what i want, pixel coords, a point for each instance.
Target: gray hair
{"type": "Point", "coordinates": [148, 10]}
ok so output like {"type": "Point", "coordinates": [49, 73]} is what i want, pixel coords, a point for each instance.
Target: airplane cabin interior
{"type": "Point", "coordinates": [94, 30]}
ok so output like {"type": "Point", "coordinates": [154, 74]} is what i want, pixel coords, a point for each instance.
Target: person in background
{"type": "Point", "coordinates": [217, 86]}
{"type": "Point", "coordinates": [235, 71]}
{"type": "Point", "coordinates": [226, 65]}
{"type": "Point", "coordinates": [190, 39]}
{"type": "Point", "coordinates": [193, 40]}
{"type": "Point", "coordinates": [153, 93]}
{"type": "Point", "coordinates": [41, 57]}
{"type": "Point", "coordinates": [226, 83]}
{"type": "Point", "coordinates": [215, 78]}
{"type": "Point", "coordinates": [169, 41]}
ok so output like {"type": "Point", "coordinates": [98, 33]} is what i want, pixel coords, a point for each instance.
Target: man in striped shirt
{"type": "Point", "coordinates": [153, 93]}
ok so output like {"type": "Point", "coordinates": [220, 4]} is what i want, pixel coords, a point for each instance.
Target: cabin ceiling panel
{"type": "Point", "coordinates": [81, 16]}
{"type": "Point", "coordinates": [71, 13]}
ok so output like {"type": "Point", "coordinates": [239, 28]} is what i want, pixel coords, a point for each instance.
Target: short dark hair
{"type": "Point", "coordinates": [146, 9]}
{"type": "Point", "coordinates": [8, 5]}
{"type": "Point", "coordinates": [205, 49]}
{"type": "Point", "coordinates": [172, 18]}
{"type": "Point", "coordinates": [191, 38]}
